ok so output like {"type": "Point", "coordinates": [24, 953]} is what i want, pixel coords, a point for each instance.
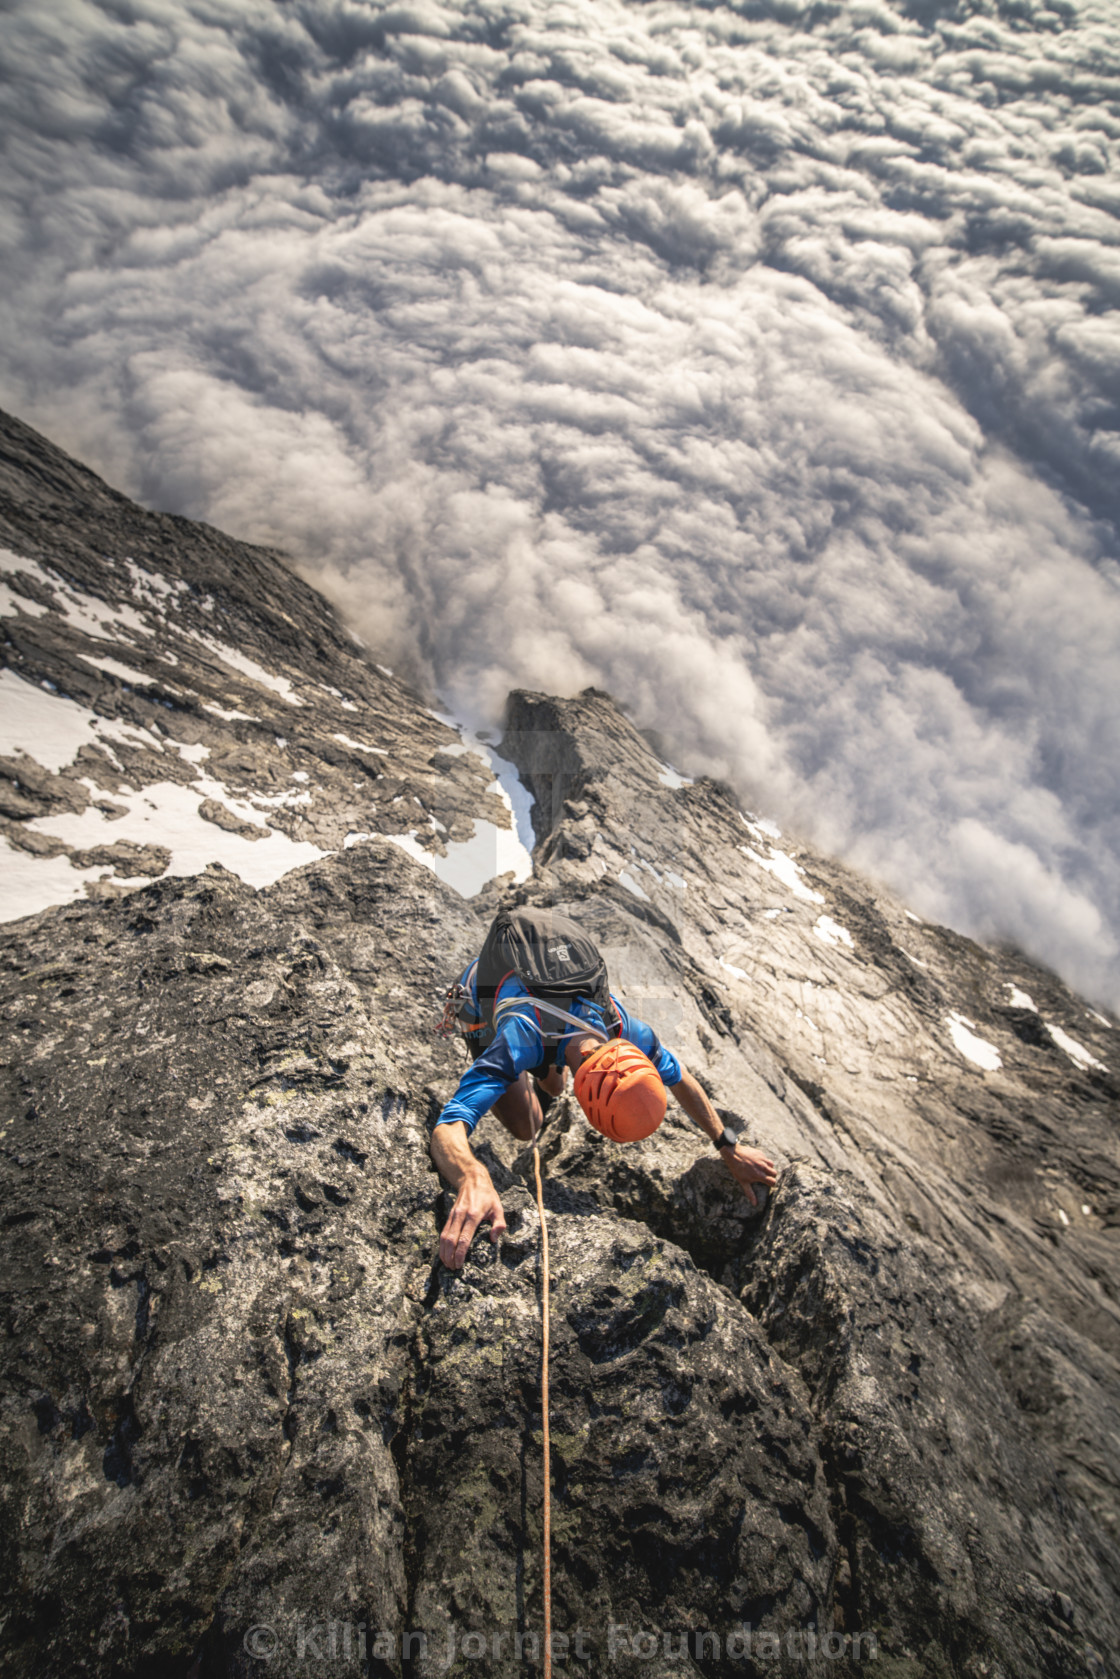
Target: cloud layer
{"type": "Point", "coordinates": [759, 362]}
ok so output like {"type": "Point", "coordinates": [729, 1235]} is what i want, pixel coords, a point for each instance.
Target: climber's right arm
{"type": "Point", "coordinates": [517, 1046]}
{"type": "Point", "coordinates": [476, 1199]}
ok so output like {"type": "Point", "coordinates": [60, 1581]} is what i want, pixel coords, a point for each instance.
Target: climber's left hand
{"type": "Point", "coordinates": [748, 1166]}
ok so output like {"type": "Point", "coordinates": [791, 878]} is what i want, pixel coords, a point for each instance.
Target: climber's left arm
{"type": "Point", "coordinates": [746, 1165]}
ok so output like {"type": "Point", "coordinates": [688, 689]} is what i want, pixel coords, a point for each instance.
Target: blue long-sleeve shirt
{"type": "Point", "coordinates": [519, 1046]}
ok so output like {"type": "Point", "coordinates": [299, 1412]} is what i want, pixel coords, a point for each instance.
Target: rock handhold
{"type": "Point", "coordinates": [125, 858]}
{"type": "Point", "coordinates": [213, 810]}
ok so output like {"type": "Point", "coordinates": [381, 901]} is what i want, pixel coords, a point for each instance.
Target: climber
{"type": "Point", "coordinates": [533, 1006]}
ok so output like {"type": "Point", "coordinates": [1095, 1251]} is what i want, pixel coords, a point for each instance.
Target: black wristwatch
{"type": "Point", "coordinates": [726, 1139]}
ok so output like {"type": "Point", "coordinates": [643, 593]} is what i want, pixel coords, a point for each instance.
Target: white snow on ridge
{"type": "Point", "coordinates": [627, 879]}
{"type": "Point", "coordinates": [761, 825]}
{"type": "Point", "coordinates": [831, 932]}
{"type": "Point", "coordinates": [163, 813]}
{"type": "Point", "coordinates": [51, 728]}
{"type": "Point", "coordinates": [517, 849]}
{"type": "Point", "coordinates": [166, 813]}
{"type": "Point", "coordinates": [156, 591]}
{"type": "Point", "coordinates": [1019, 999]}
{"type": "Point", "coordinates": [783, 868]}
{"type": "Point", "coordinates": [47, 727]}
{"type": "Point", "coordinates": [1076, 1052]}
{"type": "Point", "coordinates": [669, 777]}
{"type": "Point", "coordinates": [94, 617]}
{"type": "Point", "coordinates": [230, 716]}
{"type": "Point", "coordinates": [974, 1049]}
{"type": "Point", "coordinates": [739, 973]}
{"type": "Point", "coordinates": [519, 802]}
{"type": "Point", "coordinates": [114, 668]}
{"type": "Point", "coordinates": [29, 884]}
{"type": "Point", "coordinates": [469, 864]}
{"type": "Point", "coordinates": [11, 604]}
{"type": "Point", "coordinates": [247, 667]}
{"type": "Point", "coordinates": [360, 745]}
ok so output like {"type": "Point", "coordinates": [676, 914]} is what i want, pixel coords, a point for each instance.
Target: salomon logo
{"type": "Point", "coordinates": [560, 950]}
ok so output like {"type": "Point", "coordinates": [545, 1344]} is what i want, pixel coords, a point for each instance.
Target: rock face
{"type": "Point", "coordinates": [172, 678]}
{"type": "Point", "coordinates": [247, 1422]}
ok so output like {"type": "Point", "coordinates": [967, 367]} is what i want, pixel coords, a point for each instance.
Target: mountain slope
{"type": "Point", "coordinates": [243, 1412]}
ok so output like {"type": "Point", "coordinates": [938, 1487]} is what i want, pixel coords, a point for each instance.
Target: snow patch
{"type": "Point", "coordinates": [669, 777]}
{"type": "Point", "coordinates": [47, 727]}
{"type": "Point", "coordinates": [517, 849]}
{"type": "Point", "coordinates": [359, 745]}
{"type": "Point", "coordinates": [1019, 999]}
{"type": "Point", "coordinates": [469, 864]}
{"type": "Point", "coordinates": [165, 813]}
{"type": "Point", "coordinates": [783, 868]}
{"type": "Point", "coordinates": [11, 604]}
{"type": "Point", "coordinates": [52, 729]}
{"type": "Point", "coordinates": [1076, 1052]}
{"type": "Point", "coordinates": [113, 667]}
{"type": "Point", "coordinates": [85, 612]}
{"type": "Point", "coordinates": [29, 884]}
{"type": "Point", "coordinates": [631, 885]}
{"type": "Point", "coordinates": [740, 973]}
{"type": "Point", "coordinates": [761, 825]}
{"type": "Point", "coordinates": [974, 1049]}
{"type": "Point", "coordinates": [248, 667]}
{"type": "Point", "coordinates": [830, 932]}
{"type": "Point", "coordinates": [229, 716]}
{"type": "Point", "coordinates": [159, 591]}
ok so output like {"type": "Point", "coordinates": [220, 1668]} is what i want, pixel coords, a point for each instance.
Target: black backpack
{"type": "Point", "coordinates": [554, 960]}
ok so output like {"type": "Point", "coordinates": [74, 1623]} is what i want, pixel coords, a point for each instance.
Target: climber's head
{"type": "Point", "coordinates": [619, 1089]}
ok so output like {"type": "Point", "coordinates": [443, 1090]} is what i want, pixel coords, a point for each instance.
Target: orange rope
{"type": "Point", "coordinates": [544, 1415]}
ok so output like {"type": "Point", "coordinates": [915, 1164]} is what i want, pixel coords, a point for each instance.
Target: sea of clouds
{"type": "Point", "coordinates": [759, 362]}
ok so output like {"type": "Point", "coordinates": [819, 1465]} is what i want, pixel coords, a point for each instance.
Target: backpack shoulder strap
{"type": "Point", "coordinates": [512, 1006]}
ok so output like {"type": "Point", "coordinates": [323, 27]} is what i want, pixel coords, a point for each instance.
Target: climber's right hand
{"type": "Point", "coordinates": [476, 1203]}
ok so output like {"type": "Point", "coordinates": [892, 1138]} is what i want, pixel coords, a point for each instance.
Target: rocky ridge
{"type": "Point", "coordinates": [248, 1424]}
{"type": "Point", "coordinates": [146, 653]}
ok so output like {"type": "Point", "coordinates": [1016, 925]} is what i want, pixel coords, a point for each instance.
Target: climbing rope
{"type": "Point", "coordinates": [544, 1413]}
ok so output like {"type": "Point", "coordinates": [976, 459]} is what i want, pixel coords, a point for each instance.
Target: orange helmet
{"type": "Point", "coordinates": [620, 1091]}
